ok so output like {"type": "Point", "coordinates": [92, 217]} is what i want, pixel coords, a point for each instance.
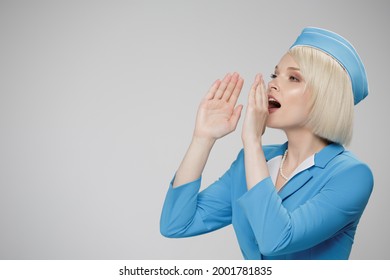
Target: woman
{"type": "Point", "coordinates": [299, 200]}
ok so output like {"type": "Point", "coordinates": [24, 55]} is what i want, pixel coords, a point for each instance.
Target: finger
{"type": "Point", "coordinates": [261, 96]}
{"type": "Point", "coordinates": [258, 95]}
{"type": "Point", "coordinates": [235, 116]}
{"type": "Point", "coordinates": [210, 94]}
{"type": "Point", "coordinates": [230, 87]}
{"type": "Point", "coordinates": [236, 92]}
{"type": "Point", "coordinates": [252, 92]}
{"type": "Point", "coordinates": [263, 93]}
{"type": "Point", "coordinates": [222, 86]}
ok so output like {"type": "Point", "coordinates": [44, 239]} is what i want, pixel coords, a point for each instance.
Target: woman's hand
{"type": "Point", "coordinates": [256, 113]}
{"type": "Point", "coordinates": [218, 114]}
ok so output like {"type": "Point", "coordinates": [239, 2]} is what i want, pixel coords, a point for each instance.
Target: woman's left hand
{"type": "Point", "coordinates": [256, 113]}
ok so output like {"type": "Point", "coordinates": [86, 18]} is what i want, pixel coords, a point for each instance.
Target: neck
{"type": "Point", "coordinates": [302, 144]}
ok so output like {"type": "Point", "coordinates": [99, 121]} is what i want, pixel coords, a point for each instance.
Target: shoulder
{"type": "Point", "coordinates": [350, 179]}
{"type": "Point", "coordinates": [349, 161]}
{"type": "Point", "coordinates": [346, 171]}
{"type": "Point", "coordinates": [335, 156]}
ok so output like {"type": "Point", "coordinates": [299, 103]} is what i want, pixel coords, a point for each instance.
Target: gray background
{"type": "Point", "coordinates": [97, 106]}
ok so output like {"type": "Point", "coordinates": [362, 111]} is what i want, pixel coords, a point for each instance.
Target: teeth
{"type": "Point", "coordinates": [272, 99]}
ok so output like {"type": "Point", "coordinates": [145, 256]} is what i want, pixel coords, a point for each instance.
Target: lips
{"type": "Point", "coordinates": [273, 103]}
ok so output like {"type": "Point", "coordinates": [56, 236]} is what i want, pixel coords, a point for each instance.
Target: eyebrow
{"type": "Point", "coordinates": [290, 68]}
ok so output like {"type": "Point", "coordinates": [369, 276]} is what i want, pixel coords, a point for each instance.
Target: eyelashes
{"type": "Point", "coordinates": [294, 79]}
{"type": "Point", "coordinates": [291, 78]}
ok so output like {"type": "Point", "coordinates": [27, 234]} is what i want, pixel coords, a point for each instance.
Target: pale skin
{"type": "Point", "coordinates": [218, 115]}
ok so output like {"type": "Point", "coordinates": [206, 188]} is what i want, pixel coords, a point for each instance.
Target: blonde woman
{"type": "Point", "coordinates": [299, 200]}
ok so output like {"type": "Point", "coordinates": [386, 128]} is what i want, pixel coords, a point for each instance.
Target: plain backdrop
{"type": "Point", "coordinates": [97, 107]}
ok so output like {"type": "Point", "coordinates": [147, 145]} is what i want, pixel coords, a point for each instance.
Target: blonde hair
{"type": "Point", "coordinates": [332, 105]}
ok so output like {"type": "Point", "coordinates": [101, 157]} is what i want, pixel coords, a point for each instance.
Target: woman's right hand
{"type": "Point", "coordinates": [218, 114]}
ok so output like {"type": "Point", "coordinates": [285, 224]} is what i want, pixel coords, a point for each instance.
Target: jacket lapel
{"type": "Point", "coordinates": [321, 159]}
{"type": "Point", "coordinates": [295, 184]}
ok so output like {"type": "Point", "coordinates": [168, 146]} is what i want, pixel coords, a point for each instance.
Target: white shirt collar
{"type": "Point", "coordinates": [274, 165]}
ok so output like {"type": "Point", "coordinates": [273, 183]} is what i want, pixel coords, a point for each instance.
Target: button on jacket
{"type": "Point", "coordinates": [314, 215]}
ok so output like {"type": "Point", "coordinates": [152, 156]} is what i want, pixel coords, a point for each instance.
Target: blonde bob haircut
{"type": "Point", "coordinates": [332, 103]}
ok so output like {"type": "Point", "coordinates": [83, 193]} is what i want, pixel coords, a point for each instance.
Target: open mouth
{"type": "Point", "coordinates": [273, 103]}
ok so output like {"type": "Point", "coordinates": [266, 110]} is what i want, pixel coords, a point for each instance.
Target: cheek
{"type": "Point", "coordinates": [298, 106]}
{"type": "Point", "coordinates": [299, 98]}
{"type": "Point", "coordinates": [301, 107]}
{"type": "Point", "coordinates": [298, 116]}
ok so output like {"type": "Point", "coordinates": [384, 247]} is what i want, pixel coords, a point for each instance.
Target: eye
{"type": "Point", "coordinates": [293, 79]}
{"type": "Point", "coordinates": [273, 76]}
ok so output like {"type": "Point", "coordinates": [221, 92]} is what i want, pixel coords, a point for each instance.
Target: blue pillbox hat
{"type": "Point", "coordinates": [340, 49]}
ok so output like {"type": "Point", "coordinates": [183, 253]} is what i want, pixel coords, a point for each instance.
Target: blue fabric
{"type": "Point", "coordinates": [314, 216]}
{"type": "Point", "coordinates": [339, 48]}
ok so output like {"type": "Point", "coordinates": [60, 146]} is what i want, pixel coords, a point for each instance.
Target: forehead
{"type": "Point", "coordinates": [287, 61]}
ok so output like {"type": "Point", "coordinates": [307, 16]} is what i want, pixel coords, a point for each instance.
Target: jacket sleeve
{"type": "Point", "coordinates": [338, 205]}
{"type": "Point", "coordinates": [188, 212]}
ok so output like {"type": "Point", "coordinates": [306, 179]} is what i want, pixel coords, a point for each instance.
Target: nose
{"type": "Point", "coordinates": [272, 85]}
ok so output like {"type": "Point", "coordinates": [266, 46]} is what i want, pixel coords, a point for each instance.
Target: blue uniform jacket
{"type": "Point", "coordinates": [314, 216]}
